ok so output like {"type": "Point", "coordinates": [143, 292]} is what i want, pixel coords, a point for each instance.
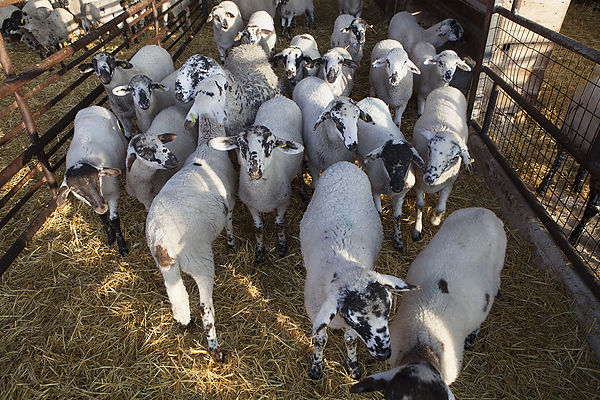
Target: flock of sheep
{"type": "Point", "coordinates": [179, 169]}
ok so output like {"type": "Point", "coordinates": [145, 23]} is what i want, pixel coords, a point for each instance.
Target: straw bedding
{"type": "Point", "coordinates": [79, 321]}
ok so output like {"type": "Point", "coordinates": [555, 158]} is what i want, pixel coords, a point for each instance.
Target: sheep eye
{"type": "Point", "coordinates": [228, 14]}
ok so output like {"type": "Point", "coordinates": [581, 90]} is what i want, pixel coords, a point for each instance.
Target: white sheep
{"type": "Point", "coordinates": [302, 49]}
{"type": "Point", "coordinates": [270, 155]}
{"type": "Point", "coordinates": [32, 5]}
{"type": "Point", "coordinates": [340, 238]}
{"type": "Point", "coordinates": [250, 63]}
{"type": "Point", "coordinates": [337, 70]}
{"type": "Point", "coordinates": [352, 7]}
{"type": "Point", "coordinates": [459, 276]}
{"type": "Point", "coordinates": [249, 7]}
{"type": "Point", "coordinates": [437, 70]}
{"type": "Point", "coordinates": [191, 73]}
{"type": "Point", "coordinates": [440, 136]}
{"type": "Point", "coordinates": [387, 159]}
{"type": "Point", "coordinates": [156, 155]}
{"type": "Point", "coordinates": [391, 76]}
{"type": "Point", "coordinates": [227, 23]}
{"type": "Point", "coordinates": [151, 60]}
{"type": "Point", "coordinates": [95, 158]}
{"type": "Point", "coordinates": [329, 125]}
{"type": "Point", "coordinates": [260, 31]}
{"type": "Point", "coordinates": [176, 10]}
{"type": "Point", "coordinates": [186, 216]}
{"type": "Point", "coordinates": [404, 28]}
{"type": "Point", "coordinates": [292, 8]}
{"type": "Point", "coordinates": [350, 33]}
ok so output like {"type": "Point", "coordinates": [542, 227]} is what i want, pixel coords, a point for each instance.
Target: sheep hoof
{"type": "Point", "coordinates": [316, 371]}
{"type": "Point", "coordinates": [260, 256]}
{"type": "Point", "coordinates": [216, 355]}
{"type": "Point", "coordinates": [417, 236]}
{"type": "Point", "coordinates": [111, 237]}
{"type": "Point", "coordinates": [398, 243]}
{"type": "Point", "coordinates": [282, 249]}
{"type": "Point", "coordinates": [191, 325]}
{"type": "Point", "coordinates": [471, 338]}
{"type": "Point", "coordinates": [436, 219]}
{"type": "Point", "coordinates": [123, 250]}
{"type": "Point", "coordinates": [353, 369]}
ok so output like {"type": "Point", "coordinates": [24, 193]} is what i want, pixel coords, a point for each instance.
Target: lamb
{"type": "Point", "coordinates": [176, 10]}
{"type": "Point", "coordinates": [184, 219]}
{"type": "Point", "coordinates": [95, 158]}
{"type": "Point", "coordinates": [459, 276]}
{"type": "Point", "coordinates": [259, 31]}
{"type": "Point", "coordinates": [302, 48]}
{"type": "Point", "coordinates": [337, 69]}
{"type": "Point", "coordinates": [270, 155]}
{"type": "Point", "coordinates": [387, 158]}
{"type": "Point", "coordinates": [340, 238]}
{"type": "Point", "coordinates": [405, 29]}
{"type": "Point", "coordinates": [350, 33]}
{"type": "Point", "coordinates": [249, 7]}
{"type": "Point", "coordinates": [227, 23]}
{"type": "Point", "coordinates": [329, 125]}
{"type": "Point", "coordinates": [9, 24]}
{"type": "Point", "coordinates": [291, 8]}
{"type": "Point", "coordinates": [156, 155]}
{"type": "Point", "coordinates": [191, 73]}
{"type": "Point", "coordinates": [393, 85]}
{"type": "Point", "coordinates": [440, 137]}
{"type": "Point", "coordinates": [151, 60]}
{"type": "Point", "coordinates": [352, 7]}
{"type": "Point", "coordinates": [437, 70]}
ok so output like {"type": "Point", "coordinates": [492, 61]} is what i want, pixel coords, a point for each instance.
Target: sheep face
{"type": "Point", "coordinates": [445, 152]}
{"type": "Point", "coordinates": [150, 150]}
{"type": "Point", "coordinates": [84, 181]}
{"type": "Point", "coordinates": [358, 28]}
{"type": "Point", "coordinates": [104, 64]}
{"type": "Point", "coordinates": [292, 60]}
{"type": "Point", "coordinates": [397, 158]}
{"type": "Point", "coordinates": [344, 113]}
{"type": "Point", "coordinates": [12, 25]}
{"type": "Point", "coordinates": [397, 65]}
{"type": "Point", "coordinates": [333, 61]}
{"type": "Point", "coordinates": [451, 29]}
{"type": "Point", "coordinates": [140, 87]}
{"type": "Point", "coordinates": [409, 382]}
{"type": "Point", "coordinates": [253, 34]}
{"type": "Point", "coordinates": [255, 146]}
{"type": "Point", "coordinates": [446, 63]}
{"type": "Point", "coordinates": [210, 100]}
{"type": "Point", "coordinates": [191, 73]}
{"type": "Point", "coordinates": [221, 18]}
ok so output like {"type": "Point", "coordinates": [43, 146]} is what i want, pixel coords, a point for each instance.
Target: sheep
{"type": "Point", "coordinates": [270, 155]}
{"type": "Point", "coordinates": [340, 239]}
{"type": "Point", "coordinates": [227, 23]}
{"type": "Point", "coordinates": [387, 158]}
{"type": "Point", "coordinates": [404, 28]}
{"type": "Point", "coordinates": [337, 69]}
{"type": "Point", "coordinates": [32, 5]}
{"type": "Point", "coordinates": [350, 33]}
{"type": "Point", "coordinates": [440, 137]}
{"type": "Point", "coordinates": [459, 276]}
{"type": "Point", "coordinates": [176, 10]}
{"type": "Point", "coordinates": [248, 62]}
{"type": "Point", "coordinates": [437, 70]}
{"type": "Point", "coordinates": [329, 125]}
{"type": "Point", "coordinates": [302, 48]}
{"type": "Point", "coordinates": [156, 155]}
{"type": "Point", "coordinates": [191, 73]}
{"type": "Point", "coordinates": [151, 60]}
{"type": "Point", "coordinates": [352, 7]}
{"type": "Point", "coordinates": [10, 17]}
{"type": "Point", "coordinates": [185, 217]}
{"type": "Point", "coordinates": [291, 8]}
{"type": "Point", "coordinates": [259, 31]}
{"type": "Point", "coordinates": [249, 7]}
{"type": "Point", "coordinates": [394, 84]}
{"type": "Point", "coordinates": [95, 158]}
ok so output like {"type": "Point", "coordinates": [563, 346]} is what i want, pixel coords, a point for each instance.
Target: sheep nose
{"type": "Point", "coordinates": [255, 172]}
{"type": "Point", "coordinates": [447, 77]}
{"type": "Point", "coordinates": [101, 209]}
{"type": "Point", "coordinates": [331, 75]}
{"type": "Point", "coordinates": [383, 354]}
{"type": "Point", "coordinates": [290, 74]}
{"type": "Point", "coordinates": [351, 147]}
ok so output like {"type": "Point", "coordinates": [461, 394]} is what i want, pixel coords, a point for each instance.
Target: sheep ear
{"type": "Point", "coordinates": [86, 67]}
{"type": "Point", "coordinates": [224, 143]}
{"type": "Point", "coordinates": [326, 314]}
{"type": "Point", "coordinates": [466, 157]}
{"type": "Point", "coordinates": [412, 67]}
{"type": "Point", "coordinates": [364, 116]}
{"type": "Point", "coordinates": [463, 65]}
{"type": "Point", "coordinates": [289, 146]}
{"type": "Point", "coordinates": [395, 284]}
{"type": "Point", "coordinates": [121, 90]}
{"type": "Point", "coordinates": [349, 63]}
{"type": "Point", "coordinates": [130, 161]}
{"type": "Point", "coordinates": [159, 86]}
{"type": "Point", "coordinates": [110, 172]}
{"type": "Point", "coordinates": [124, 64]}
{"type": "Point", "coordinates": [210, 17]}
{"type": "Point", "coordinates": [62, 194]}
{"type": "Point", "coordinates": [380, 62]}
{"type": "Point", "coordinates": [166, 137]}
{"type": "Point", "coordinates": [417, 159]}
{"type": "Point", "coordinates": [324, 115]}
{"type": "Point", "coordinates": [431, 60]}
{"type": "Point", "coordinates": [373, 155]}
{"type": "Point", "coordinates": [375, 382]}
{"type": "Point", "coordinates": [239, 36]}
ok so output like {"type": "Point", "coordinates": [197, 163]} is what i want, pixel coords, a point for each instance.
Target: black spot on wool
{"type": "Point", "coordinates": [406, 384]}
{"type": "Point", "coordinates": [443, 285]}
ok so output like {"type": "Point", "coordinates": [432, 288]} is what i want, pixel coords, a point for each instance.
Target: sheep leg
{"type": "Point", "coordinates": [577, 186]}
{"type": "Point", "coordinates": [229, 227]}
{"type": "Point", "coordinates": [127, 126]}
{"type": "Point", "coordinates": [109, 230]}
{"type": "Point", "coordinates": [316, 364]}
{"type": "Point", "coordinates": [310, 13]}
{"type": "Point", "coordinates": [260, 245]}
{"type": "Point", "coordinates": [591, 209]}
{"type": "Point", "coordinates": [419, 205]}
{"type": "Point", "coordinates": [560, 158]}
{"type": "Point", "coordinates": [420, 104]}
{"type": "Point", "coordinates": [315, 173]}
{"type": "Point", "coordinates": [115, 224]}
{"type": "Point", "coordinates": [471, 338]}
{"type": "Point", "coordinates": [398, 201]}
{"type": "Point", "coordinates": [207, 310]}
{"type": "Point", "coordinates": [436, 218]}
{"type": "Point", "coordinates": [178, 296]}
{"type": "Point", "coordinates": [303, 191]}
{"type": "Point", "coordinates": [280, 224]}
{"type": "Point", "coordinates": [351, 358]}
{"type": "Point", "coordinates": [398, 115]}
{"type": "Point", "coordinates": [222, 53]}
{"type": "Point", "coordinates": [377, 201]}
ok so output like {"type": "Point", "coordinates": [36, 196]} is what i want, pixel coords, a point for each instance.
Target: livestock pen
{"type": "Point", "coordinates": [80, 321]}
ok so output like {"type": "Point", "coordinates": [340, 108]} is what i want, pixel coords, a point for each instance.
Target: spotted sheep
{"type": "Point", "coordinates": [298, 60]}
{"type": "Point", "coordinates": [440, 137]}
{"type": "Point", "coordinates": [270, 155]}
{"type": "Point", "coordinates": [329, 125]}
{"type": "Point", "coordinates": [191, 73]}
{"type": "Point", "coordinates": [156, 155]}
{"type": "Point", "coordinates": [227, 23]}
{"type": "Point", "coordinates": [459, 276]}
{"type": "Point", "coordinates": [352, 7]}
{"type": "Point", "coordinates": [185, 217]}
{"type": "Point", "coordinates": [404, 28]}
{"type": "Point", "coordinates": [391, 76]}
{"type": "Point", "coordinates": [95, 158]}
{"type": "Point", "coordinates": [292, 8]}
{"type": "Point", "coordinates": [259, 31]}
{"type": "Point", "coordinates": [340, 238]}
{"type": "Point", "coordinates": [152, 61]}
{"type": "Point", "coordinates": [336, 67]}
{"type": "Point", "coordinates": [388, 159]}
{"type": "Point", "coordinates": [349, 32]}
{"type": "Point", "coordinates": [437, 70]}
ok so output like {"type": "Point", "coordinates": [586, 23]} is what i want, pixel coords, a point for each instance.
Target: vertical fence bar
{"type": "Point", "coordinates": [156, 23]}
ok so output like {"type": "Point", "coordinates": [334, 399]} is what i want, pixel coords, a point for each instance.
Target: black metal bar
{"type": "Point", "coordinates": [582, 270]}
{"type": "Point", "coordinates": [489, 112]}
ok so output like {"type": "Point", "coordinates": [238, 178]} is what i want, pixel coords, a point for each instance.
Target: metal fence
{"type": "Point", "coordinates": [39, 103]}
{"type": "Point", "coordinates": [537, 108]}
